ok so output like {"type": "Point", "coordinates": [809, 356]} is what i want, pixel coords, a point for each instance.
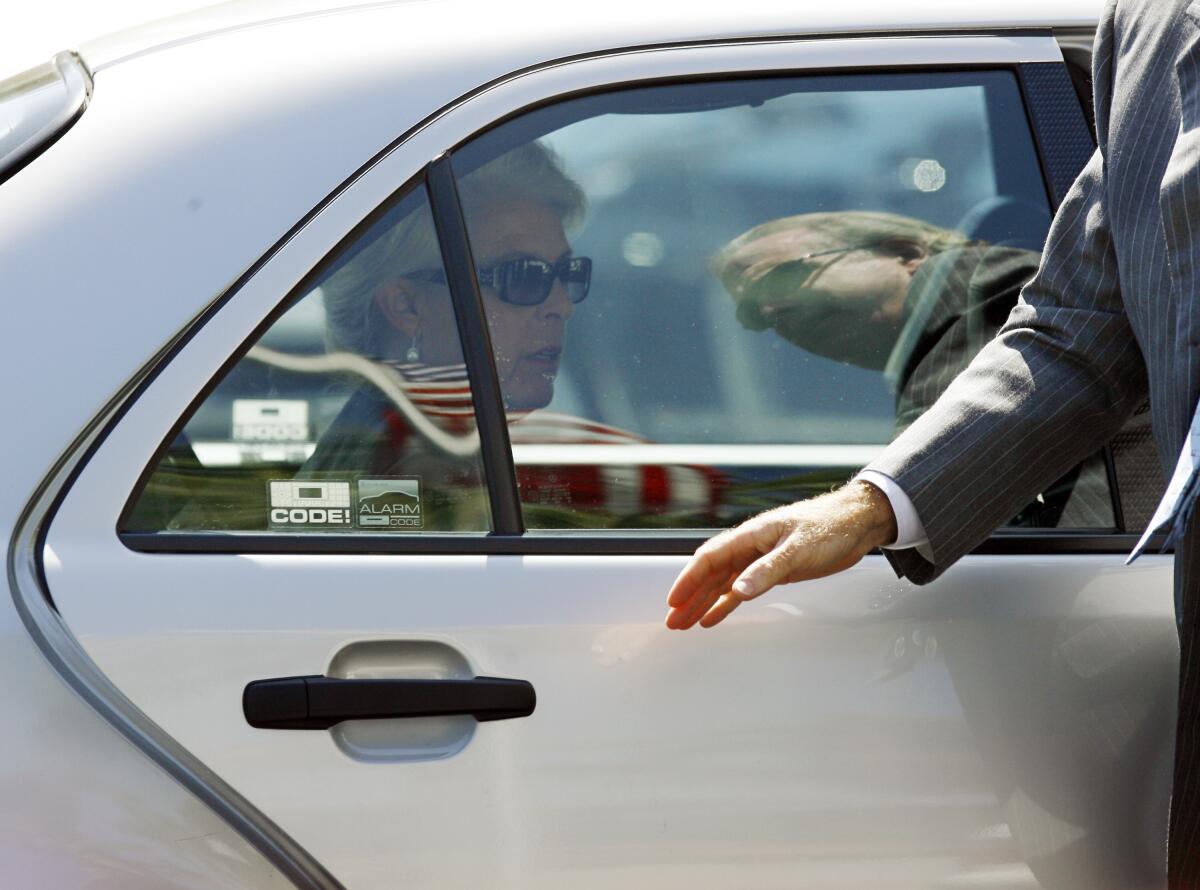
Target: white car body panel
{"type": "Point", "coordinates": [847, 760]}
{"type": "Point", "coordinates": [845, 775]}
{"type": "Point", "coordinates": [83, 808]}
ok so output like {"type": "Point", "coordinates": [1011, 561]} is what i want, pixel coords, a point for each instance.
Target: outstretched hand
{"type": "Point", "coordinates": [805, 540]}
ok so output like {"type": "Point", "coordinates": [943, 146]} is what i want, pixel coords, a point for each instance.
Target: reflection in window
{"type": "Point", "coordinates": [784, 274]}
{"type": "Point", "coordinates": [879, 291]}
{"type": "Point", "coordinates": [351, 414]}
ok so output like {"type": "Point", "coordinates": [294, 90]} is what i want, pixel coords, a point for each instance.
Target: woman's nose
{"type": "Point", "coordinates": [558, 303]}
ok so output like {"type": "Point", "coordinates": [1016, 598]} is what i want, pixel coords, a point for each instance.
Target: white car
{"type": "Point", "coordinates": [341, 524]}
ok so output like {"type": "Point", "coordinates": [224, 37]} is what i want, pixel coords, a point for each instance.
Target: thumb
{"type": "Point", "coordinates": [765, 572]}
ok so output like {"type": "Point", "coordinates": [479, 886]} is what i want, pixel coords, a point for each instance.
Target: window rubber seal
{"type": "Point", "coordinates": [1065, 142]}
{"type": "Point", "coordinates": [491, 420]}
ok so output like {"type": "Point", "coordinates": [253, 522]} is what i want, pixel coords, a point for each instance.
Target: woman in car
{"type": "Point", "coordinates": [389, 303]}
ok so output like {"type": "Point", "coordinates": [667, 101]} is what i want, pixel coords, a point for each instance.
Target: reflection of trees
{"type": "Point", "coordinates": [387, 380]}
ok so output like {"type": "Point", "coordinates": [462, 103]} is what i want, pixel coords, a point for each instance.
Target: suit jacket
{"type": "Point", "coordinates": [1112, 315]}
{"type": "Point", "coordinates": [957, 301]}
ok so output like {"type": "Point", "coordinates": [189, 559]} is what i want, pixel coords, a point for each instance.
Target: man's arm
{"type": "Point", "coordinates": [1057, 382]}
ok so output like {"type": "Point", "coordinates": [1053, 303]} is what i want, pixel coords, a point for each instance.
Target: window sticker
{"type": "Point", "coordinates": [270, 420]}
{"type": "Point", "coordinates": [393, 504]}
{"type": "Point", "coordinates": [264, 431]}
{"type": "Point", "coordinates": [297, 504]}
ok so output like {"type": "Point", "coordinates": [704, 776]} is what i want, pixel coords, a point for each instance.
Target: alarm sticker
{"type": "Point", "coordinates": [389, 504]}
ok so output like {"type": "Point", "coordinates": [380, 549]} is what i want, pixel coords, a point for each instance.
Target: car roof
{"type": "Point", "coordinates": [552, 30]}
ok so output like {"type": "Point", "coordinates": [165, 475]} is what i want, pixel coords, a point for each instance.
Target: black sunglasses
{"type": "Point", "coordinates": [528, 282]}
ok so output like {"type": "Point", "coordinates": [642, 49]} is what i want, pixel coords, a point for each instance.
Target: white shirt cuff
{"type": "Point", "coordinates": [909, 530]}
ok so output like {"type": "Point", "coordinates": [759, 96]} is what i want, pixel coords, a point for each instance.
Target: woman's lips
{"type": "Point", "coordinates": [547, 357]}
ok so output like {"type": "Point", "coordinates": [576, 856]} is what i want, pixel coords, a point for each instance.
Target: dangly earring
{"type": "Point", "coordinates": [413, 354]}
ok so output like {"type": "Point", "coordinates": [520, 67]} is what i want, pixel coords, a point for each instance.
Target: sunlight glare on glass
{"type": "Point", "coordinates": [643, 249]}
{"type": "Point", "coordinates": [928, 175]}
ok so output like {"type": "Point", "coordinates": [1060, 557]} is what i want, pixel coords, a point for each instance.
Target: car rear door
{"type": "Point", "coordinates": [994, 728]}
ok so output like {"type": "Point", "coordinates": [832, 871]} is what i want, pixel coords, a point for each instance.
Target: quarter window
{"type": "Point", "coordinates": [351, 413]}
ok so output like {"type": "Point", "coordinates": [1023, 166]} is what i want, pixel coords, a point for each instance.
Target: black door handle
{"type": "Point", "coordinates": [321, 702]}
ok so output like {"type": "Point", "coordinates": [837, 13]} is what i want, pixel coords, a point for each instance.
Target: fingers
{"type": "Point", "coordinates": [721, 610]}
{"type": "Point", "coordinates": [709, 561]}
{"type": "Point", "coordinates": [730, 551]}
{"type": "Point", "coordinates": [712, 604]}
{"type": "Point", "coordinates": [783, 565]}
{"type": "Point", "coordinates": [692, 610]}
{"type": "Point", "coordinates": [702, 592]}
{"type": "Point", "coordinates": [766, 572]}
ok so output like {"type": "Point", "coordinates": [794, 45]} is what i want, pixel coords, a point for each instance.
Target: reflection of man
{"type": "Point", "coordinates": [877, 290]}
{"type": "Point", "coordinates": [898, 295]}
{"type": "Point", "coordinates": [1110, 317]}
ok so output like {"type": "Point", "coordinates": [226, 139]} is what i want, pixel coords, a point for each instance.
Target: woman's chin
{"type": "Point", "coordinates": [529, 395]}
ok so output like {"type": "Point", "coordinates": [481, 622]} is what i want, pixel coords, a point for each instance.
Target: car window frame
{"type": "Point", "coordinates": [510, 536]}
{"type": "Point", "coordinates": [1063, 142]}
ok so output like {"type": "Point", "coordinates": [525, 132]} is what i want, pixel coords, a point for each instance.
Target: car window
{"type": "Point", "coordinates": [351, 413]}
{"type": "Point", "coordinates": [706, 299]}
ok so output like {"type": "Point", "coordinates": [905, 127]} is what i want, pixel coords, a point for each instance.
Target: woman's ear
{"type": "Point", "coordinates": [400, 305]}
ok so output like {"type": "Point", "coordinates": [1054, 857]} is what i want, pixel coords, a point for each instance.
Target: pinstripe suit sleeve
{"type": "Point", "coordinates": [1056, 383]}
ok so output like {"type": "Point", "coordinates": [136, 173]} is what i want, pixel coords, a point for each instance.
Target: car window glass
{"type": "Point", "coordinates": [351, 413]}
{"type": "Point", "coordinates": [706, 299]}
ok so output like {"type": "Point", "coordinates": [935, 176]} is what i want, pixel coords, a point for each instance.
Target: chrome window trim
{"type": "Point", "coordinates": [579, 542]}
{"type": "Point", "coordinates": [1076, 37]}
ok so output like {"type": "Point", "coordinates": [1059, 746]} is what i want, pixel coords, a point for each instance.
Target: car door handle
{"type": "Point", "coordinates": [321, 702]}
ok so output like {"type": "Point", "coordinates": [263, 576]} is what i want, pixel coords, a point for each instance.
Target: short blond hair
{"type": "Point", "coordinates": [410, 247]}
